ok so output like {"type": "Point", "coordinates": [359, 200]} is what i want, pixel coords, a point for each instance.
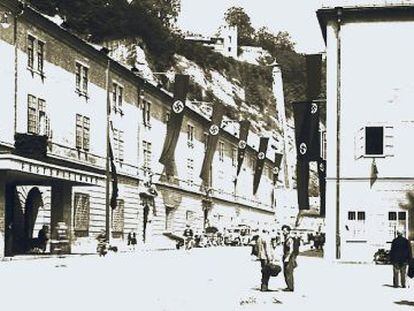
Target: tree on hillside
{"type": "Point", "coordinates": [165, 10]}
{"type": "Point", "coordinates": [236, 16]}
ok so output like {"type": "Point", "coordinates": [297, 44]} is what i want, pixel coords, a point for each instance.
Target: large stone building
{"type": "Point", "coordinates": [370, 120]}
{"type": "Point", "coordinates": [60, 97]}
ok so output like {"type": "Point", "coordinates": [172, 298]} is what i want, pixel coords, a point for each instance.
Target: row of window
{"type": "Point", "coordinates": [360, 215]}
{"type": "Point", "coordinates": [82, 215]}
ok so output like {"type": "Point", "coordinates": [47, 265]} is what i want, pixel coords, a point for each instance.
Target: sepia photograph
{"type": "Point", "coordinates": [221, 155]}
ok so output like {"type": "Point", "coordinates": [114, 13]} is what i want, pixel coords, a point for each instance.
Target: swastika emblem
{"type": "Point", "coordinates": [275, 170]}
{"type": "Point", "coordinates": [242, 144]}
{"type": "Point", "coordinates": [314, 108]}
{"type": "Point", "coordinates": [303, 148]}
{"type": "Point", "coordinates": [321, 167]}
{"type": "Point", "coordinates": [214, 129]}
{"type": "Point", "coordinates": [261, 155]}
{"type": "Point", "coordinates": [178, 106]}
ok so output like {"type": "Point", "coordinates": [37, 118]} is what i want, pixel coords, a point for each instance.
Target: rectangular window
{"type": "Point", "coordinates": [37, 120]}
{"type": "Point", "coordinates": [190, 135]}
{"type": "Point", "coordinates": [205, 141]}
{"type": "Point", "coordinates": [117, 97]}
{"type": "Point", "coordinates": [81, 79]}
{"type": "Point", "coordinates": [361, 215]}
{"type": "Point", "coordinates": [402, 215]}
{"type": "Point", "coordinates": [221, 151]}
{"type": "Point", "coordinates": [40, 56]}
{"type": "Point", "coordinates": [118, 144]}
{"type": "Point", "coordinates": [374, 140]}
{"type": "Point", "coordinates": [147, 156]}
{"type": "Point", "coordinates": [234, 157]}
{"type": "Point", "coordinates": [351, 216]}
{"type": "Point", "coordinates": [190, 172]}
{"type": "Point", "coordinates": [81, 214]}
{"type": "Point", "coordinates": [392, 216]}
{"type": "Point", "coordinates": [82, 132]}
{"type": "Point", "coordinates": [167, 117]}
{"type": "Point", "coordinates": [30, 52]}
{"type": "Point", "coordinates": [118, 219]}
{"type": "Point", "coordinates": [146, 113]}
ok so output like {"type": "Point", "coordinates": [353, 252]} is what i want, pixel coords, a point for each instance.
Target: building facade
{"type": "Point", "coordinates": [61, 100]}
{"type": "Point", "coordinates": [369, 128]}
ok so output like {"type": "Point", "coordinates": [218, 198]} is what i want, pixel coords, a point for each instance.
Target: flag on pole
{"type": "Point", "coordinates": [261, 157]}
{"type": "Point", "coordinates": [374, 173]}
{"type": "Point", "coordinates": [213, 132]}
{"type": "Point", "coordinates": [313, 76]}
{"type": "Point", "coordinates": [241, 150]}
{"type": "Point", "coordinates": [174, 123]}
{"type": "Point", "coordinates": [114, 178]}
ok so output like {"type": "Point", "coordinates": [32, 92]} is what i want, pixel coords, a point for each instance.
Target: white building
{"type": "Point", "coordinates": [370, 122]}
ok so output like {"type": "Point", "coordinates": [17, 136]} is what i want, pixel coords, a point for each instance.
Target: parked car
{"type": "Point", "coordinates": [382, 257]}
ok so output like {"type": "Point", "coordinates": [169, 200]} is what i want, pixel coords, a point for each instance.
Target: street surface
{"type": "Point", "coordinates": [203, 279]}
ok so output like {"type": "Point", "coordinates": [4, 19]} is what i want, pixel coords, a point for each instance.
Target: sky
{"type": "Point", "coordinates": [297, 17]}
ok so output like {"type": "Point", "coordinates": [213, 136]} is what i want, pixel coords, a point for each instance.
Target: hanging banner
{"type": "Point", "coordinates": [313, 76]}
{"type": "Point", "coordinates": [322, 186]}
{"type": "Point", "coordinates": [276, 167]}
{"type": "Point", "coordinates": [307, 135]}
{"type": "Point", "coordinates": [261, 157]}
{"type": "Point", "coordinates": [302, 183]}
{"type": "Point", "coordinates": [114, 178]}
{"type": "Point", "coordinates": [174, 123]}
{"type": "Point", "coordinates": [241, 148]}
{"type": "Point", "coordinates": [213, 132]}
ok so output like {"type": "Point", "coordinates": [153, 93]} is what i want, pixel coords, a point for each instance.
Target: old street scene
{"type": "Point", "coordinates": [206, 155]}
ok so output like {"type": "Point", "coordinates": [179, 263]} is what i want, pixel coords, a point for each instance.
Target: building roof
{"type": "Point", "coordinates": [365, 13]}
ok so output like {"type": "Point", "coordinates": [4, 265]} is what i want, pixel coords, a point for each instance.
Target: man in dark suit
{"type": "Point", "coordinates": [400, 254]}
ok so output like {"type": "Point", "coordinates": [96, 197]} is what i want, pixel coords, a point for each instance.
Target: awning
{"type": "Point", "coordinates": [28, 171]}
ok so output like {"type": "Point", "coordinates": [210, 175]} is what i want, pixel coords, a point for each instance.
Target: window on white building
{"type": "Point", "coordinates": [37, 120]}
{"type": "Point", "coordinates": [221, 151]}
{"type": "Point", "coordinates": [117, 97]}
{"type": "Point", "coordinates": [374, 141]}
{"type": "Point", "coordinates": [190, 135]}
{"type": "Point", "coordinates": [205, 140]}
{"type": "Point", "coordinates": [118, 219]}
{"type": "Point", "coordinates": [147, 156]}
{"type": "Point", "coordinates": [82, 132]}
{"type": "Point", "coordinates": [82, 79]}
{"type": "Point", "coordinates": [234, 157]}
{"type": "Point", "coordinates": [35, 54]}
{"type": "Point", "coordinates": [146, 113]}
{"type": "Point", "coordinates": [81, 214]}
{"type": "Point", "coordinates": [190, 172]}
{"type": "Point", "coordinates": [397, 222]}
{"type": "Point", "coordinates": [118, 144]}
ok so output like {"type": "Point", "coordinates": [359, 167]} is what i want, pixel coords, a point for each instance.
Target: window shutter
{"type": "Point", "coordinates": [360, 143]}
{"type": "Point", "coordinates": [389, 141]}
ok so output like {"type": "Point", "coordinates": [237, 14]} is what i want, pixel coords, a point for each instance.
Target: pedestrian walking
{"type": "Point", "coordinates": [400, 255]}
{"type": "Point", "coordinates": [289, 258]}
{"type": "Point", "coordinates": [272, 265]}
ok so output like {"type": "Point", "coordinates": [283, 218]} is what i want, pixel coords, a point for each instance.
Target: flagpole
{"type": "Point", "coordinates": [107, 172]}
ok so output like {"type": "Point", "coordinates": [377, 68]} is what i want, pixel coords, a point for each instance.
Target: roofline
{"type": "Point", "coordinates": [33, 16]}
{"type": "Point", "coordinates": [368, 13]}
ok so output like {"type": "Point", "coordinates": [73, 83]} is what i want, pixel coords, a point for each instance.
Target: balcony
{"type": "Point", "coordinates": [34, 146]}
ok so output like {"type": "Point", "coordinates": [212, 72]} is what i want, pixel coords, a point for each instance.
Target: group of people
{"type": "Point", "coordinates": [272, 259]}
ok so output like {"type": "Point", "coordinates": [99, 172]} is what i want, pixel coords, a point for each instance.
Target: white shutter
{"type": "Point", "coordinates": [389, 141]}
{"type": "Point", "coordinates": [360, 143]}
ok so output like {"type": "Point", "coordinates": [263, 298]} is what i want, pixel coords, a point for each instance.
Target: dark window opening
{"type": "Point", "coordinates": [374, 140]}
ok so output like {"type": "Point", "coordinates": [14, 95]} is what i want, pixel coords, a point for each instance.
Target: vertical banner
{"type": "Point", "coordinates": [301, 113]}
{"type": "Point", "coordinates": [261, 157]}
{"type": "Point", "coordinates": [313, 76]}
{"type": "Point", "coordinates": [314, 142]}
{"type": "Point", "coordinates": [114, 178]}
{"type": "Point", "coordinates": [213, 131]}
{"type": "Point", "coordinates": [322, 186]}
{"type": "Point", "coordinates": [302, 182]}
{"type": "Point", "coordinates": [276, 167]}
{"type": "Point", "coordinates": [241, 148]}
{"type": "Point", "coordinates": [174, 123]}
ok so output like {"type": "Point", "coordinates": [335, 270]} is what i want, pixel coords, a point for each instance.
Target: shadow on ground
{"type": "Point", "coordinates": [404, 303]}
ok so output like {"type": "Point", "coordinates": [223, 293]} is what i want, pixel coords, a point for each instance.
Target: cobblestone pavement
{"type": "Point", "coordinates": [203, 279]}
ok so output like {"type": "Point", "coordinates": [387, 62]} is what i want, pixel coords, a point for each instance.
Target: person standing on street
{"type": "Point", "coordinates": [188, 237]}
{"type": "Point", "coordinates": [262, 254]}
{"type": "Point", "coordinates": [400, 255]}
{"type": "Point", "coordinates": [289, 258]}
